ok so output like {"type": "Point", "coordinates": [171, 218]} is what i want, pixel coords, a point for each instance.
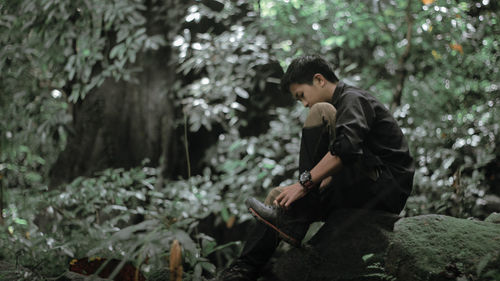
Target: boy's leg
{"type": "Point", "coordinates": [259, 246]}
{"type": "Point", "coordinates": [292, 224]}
{"type": "Point", "coordinates": [262, 242]}
{"type": "Point", "coordinates": [317, 134]}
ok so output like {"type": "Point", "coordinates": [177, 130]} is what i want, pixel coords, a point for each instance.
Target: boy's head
{"type": "Point", "coordinates": [303, 69]}
{"type": "Point", "coordinates": [310, 80]}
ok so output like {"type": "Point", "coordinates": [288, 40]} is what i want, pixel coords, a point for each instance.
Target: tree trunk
{"type": "Point", "coordinates": [122, 123]}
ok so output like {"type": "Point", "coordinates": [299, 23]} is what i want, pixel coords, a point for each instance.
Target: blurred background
{"type": "Point", "coordinates": [126, 125]}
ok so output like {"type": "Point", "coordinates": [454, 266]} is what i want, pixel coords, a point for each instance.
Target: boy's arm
{"type": "Point", "coordinates": [327, 166]}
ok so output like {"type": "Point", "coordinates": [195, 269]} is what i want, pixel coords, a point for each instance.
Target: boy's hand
{"type": "Point", "coordinates": [289, 195]}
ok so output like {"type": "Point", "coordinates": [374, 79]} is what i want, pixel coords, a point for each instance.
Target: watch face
{"type": "Point", "coordinates": [305, 176]}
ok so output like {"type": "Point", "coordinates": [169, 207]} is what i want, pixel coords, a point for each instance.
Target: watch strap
{"type": "Point", "coordinates": [305, 180]}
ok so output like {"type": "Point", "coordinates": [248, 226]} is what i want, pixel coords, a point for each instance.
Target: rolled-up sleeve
{"type": "Point", "coordinates": [354, 120]}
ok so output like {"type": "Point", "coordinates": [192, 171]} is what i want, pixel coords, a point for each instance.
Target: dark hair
{"type": "Point", "coordinates": [302, 70]}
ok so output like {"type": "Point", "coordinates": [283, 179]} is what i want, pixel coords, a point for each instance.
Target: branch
{"type": "Point", "coordinates": [385, 26]}
{"type": "Point", "coordinates": [402, 72]}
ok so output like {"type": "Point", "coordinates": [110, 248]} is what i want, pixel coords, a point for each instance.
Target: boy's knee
{"type": "Point", "coordinates": [320, 113]}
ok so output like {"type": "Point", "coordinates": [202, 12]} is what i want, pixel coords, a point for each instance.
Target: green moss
{"type": "Point", "coordinates": [434, 243]}
{"type": "Point", "coordinates": [493, 218]}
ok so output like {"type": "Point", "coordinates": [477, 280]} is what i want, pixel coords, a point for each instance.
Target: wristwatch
{"type": "Point", "coordinates": [305, 180]}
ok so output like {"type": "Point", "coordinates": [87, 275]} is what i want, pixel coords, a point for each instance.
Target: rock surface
{"type": "Point", "coordinates": [493, 218]}
{"type": "Point", "coordinates": [355, 245]}
{"type": "Point", "coordinates": [435, 247]}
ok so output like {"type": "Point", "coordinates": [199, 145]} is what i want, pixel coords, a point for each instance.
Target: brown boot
{"type": "Point", "coordinates": [289, 227]}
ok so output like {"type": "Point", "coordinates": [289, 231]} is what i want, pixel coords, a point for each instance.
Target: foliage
{"type": "Point", "coordinates": [52, 54]}
{"type": "Point", "coordinates": [223, 67]}
{"type": "Point", "coordinates": [488, 267]}
{"type": "Point", "coordinates": [35, 138]}
{"type": "Point", "coordinates": [227, 61]}
{"type": "Point", "coordinates": [374, 266]}
{"type": "Point", "coordinates": [92, 217]}
{"type": "Point", "coordinates": [452, 158]}
{"type": "Point", "coordinates": [455, 146]}
{"type": "Point", "coordinates": [443, 55]}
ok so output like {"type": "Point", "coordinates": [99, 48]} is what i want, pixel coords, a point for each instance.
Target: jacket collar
{"type": "Point", "coordinates": [339, 88]}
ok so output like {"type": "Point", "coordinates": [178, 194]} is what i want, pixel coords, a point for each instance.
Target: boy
{"type": "Point", "coordinates": [353, 155]}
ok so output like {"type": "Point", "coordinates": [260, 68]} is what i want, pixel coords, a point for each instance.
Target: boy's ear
{"type": "Point", "coordinates": [320, 79]}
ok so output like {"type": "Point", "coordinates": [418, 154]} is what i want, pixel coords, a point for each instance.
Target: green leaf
{"type": "Point", "coordinates": [140, 31]}
{"type": "Point", "coordinates": [235, 145]}
{"type": "Point", "coordinates": [23, 148]}
{"type": "Point", "coordinates": [241, 92]}
{"type": "Point", "coordinates": [128, 232]}
{"type": "Point", "coordinates": [262, 175]}
{"type": "Point", "coordinates": [186, 242]}
{"type": "Point", "coordinates": [208, 247]}
{"type": "Point", "coordinates": [335, 41]}
{"type": "Point", "coordinates": [221, 247]}
{"type": "Point", "coordinates": [140, 195]}
{"type": "Point", "coordinates": [225, 214]}
{"type": "Point", "coordinates": [367, 257]}
{"type": "Point", "coordinates": [20, 221]}
{"type": "Point", "coordinates": [117, 51]}
{"type": "Point", "coordinates": [268, 165]}
{"type": "Point", "coordinates": [198, 270]}
{"type": "Point", "coordinates": [39, 160]}
{"type": "Point", "coordinates": [33, 177]}
{"type": "Point", "coordinates": [122, 34]}
{"type": "Point", "coordinates": [464, 6]}
{"type": "Point", "coordinates": [208, 267]}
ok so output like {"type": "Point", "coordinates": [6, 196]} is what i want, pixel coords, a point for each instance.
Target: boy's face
{"type": "Point", "coordinates": [307, 94]}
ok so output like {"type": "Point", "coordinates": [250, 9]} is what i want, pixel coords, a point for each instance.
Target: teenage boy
{"type": "Point", "coordinates": [353, 155]}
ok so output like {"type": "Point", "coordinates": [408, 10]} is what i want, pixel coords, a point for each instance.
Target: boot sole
{"type": "Point", "coordinates": [283, 235]}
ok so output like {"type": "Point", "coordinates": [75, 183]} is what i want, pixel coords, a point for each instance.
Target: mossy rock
{"type": "Point", "coordinates": [422, 248]}
{"type": "Point", "coordinates": [436, 247]}
{"type": "Point", "coordinates": [493, 218]}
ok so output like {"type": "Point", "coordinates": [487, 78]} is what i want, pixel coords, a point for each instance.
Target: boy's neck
{"type": "Point", "coordinates": [330, 88]}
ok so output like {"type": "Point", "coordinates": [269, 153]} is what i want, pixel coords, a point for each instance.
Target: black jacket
{"type": "Point", "coordinates": [366, 132]}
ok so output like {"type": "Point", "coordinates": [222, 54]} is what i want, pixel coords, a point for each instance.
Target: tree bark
{"type": "Point", "coordinates": [121, 124]}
